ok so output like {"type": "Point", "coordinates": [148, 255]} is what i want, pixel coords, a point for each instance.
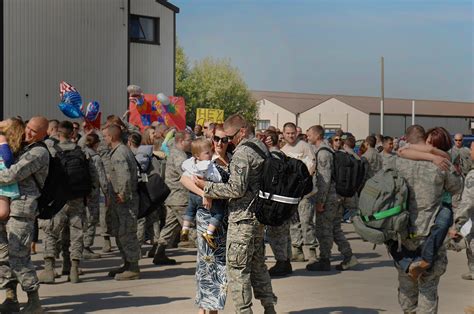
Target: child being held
{"type": "Point", "coordinates": [201, 165]}
{"type": "Point", "coordinates": [11, 134]}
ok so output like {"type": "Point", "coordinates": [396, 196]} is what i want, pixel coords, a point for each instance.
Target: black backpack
{"type": "Point", "coordinates": [284, 182]}
{"type": "Point", "coordinates": [53, 194]}
{"type": "Point", "coordinates": [152, 191]}
{"type": "Point", "coordinates": [76, 168]}
{"type": "Point", "coordinates": [348, 173]}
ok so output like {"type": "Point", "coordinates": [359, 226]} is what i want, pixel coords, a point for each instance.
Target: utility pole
{"type": "Point", "coordinates": [382, 99]}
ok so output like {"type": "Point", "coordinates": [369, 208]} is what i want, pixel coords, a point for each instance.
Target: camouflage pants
{"type": "Point", "coordinates": [71, 216]}
{"type": "Point", "coordinates": [246, 267]}
{"type": "Point", "coordinates": [328, 230]}
{"type": "Point", "coordinates": [173, 224]}
{"type": "Point", "coordinates": [122, 221]}
{"type": "Point", "coordinates": [92, 219]}
{"type": "Point", "coordinates": [470, 247]}
{"type": "Point", "coordinates": [151, 224]}
{"type": "Point", "coordinates": [303, 231]}
{"type": "Point", "coordinates": [15, 256]}
{"type": "Point", "coordinates": [422, 296]}
{"type": "Point", "coordinates": [104, 210]}
{"type": "Point", "coordinates": [280, 242]}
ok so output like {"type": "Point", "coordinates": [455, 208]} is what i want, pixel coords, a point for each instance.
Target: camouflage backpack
{"type": "Point", "coordinates": [382, 213]}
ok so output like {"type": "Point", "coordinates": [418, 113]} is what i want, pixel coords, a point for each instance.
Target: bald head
{"type": "Point", "coordinates": [458, 138]}
{"type": "Point", "coordinates": [36, 129]}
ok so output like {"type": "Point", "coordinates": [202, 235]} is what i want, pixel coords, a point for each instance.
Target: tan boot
{"type": "Point", "coordinates": [33, 305]}
{"type": "Point", "coordinates": [74, 273]}
{"type": "Point", "coordinates": [107, 245]}
{"type": "Point", "coordinates": [47, 275]}
{"type": "Point", "coordinates": [297, 254]}
{"type": "Point", "coordinates": [132, 273]}
{"type": "Point", "coordinates": [119, 270]}
{"type": "Point", "coordinates": [11, 304]}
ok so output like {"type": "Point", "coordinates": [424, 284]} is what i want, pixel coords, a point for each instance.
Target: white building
{"type": "Point", "coordinates": [98, 46]}
{"type": "Point", "coordinates": [360, 115]}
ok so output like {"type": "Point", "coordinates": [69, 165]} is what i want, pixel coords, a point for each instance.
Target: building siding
{"type": "Point", "coordinates": [152, 66]}
{"type": "Point", "coordinates": [276, 114]}
{"type": "Point", "coordinates": [334, 112]}
{"type": "Point", "coordinates": [395, 125]}
{"type": "Point", "coordinates": [82, 42]}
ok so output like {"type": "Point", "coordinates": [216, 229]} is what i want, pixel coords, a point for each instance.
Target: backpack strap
{"type": "Point", "coordinates": [257, 149]}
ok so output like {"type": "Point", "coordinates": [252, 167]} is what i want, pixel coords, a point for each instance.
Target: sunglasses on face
{"type": "Point", "coordinates": [457, 140]}
{"type": "Point", "coordinates": [337, 139]}
{"type": "Point", "coordinates": [231, 137]}
{"type": "Point", "coordinates": [218, 139]}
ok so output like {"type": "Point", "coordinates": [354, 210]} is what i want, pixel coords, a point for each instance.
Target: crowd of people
{"type": "Point", "coordinates": [212, 178]}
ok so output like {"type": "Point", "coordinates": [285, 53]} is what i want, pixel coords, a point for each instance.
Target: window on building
{"type": "Point", "coordinates": [263, 124]}
{"type": "Point", "coordinates": [144, 29]}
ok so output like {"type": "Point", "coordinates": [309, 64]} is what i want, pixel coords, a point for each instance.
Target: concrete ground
{"type": "Point", "coordinates": [370, 288]}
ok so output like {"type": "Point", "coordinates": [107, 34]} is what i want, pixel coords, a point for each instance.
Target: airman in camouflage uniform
{"type": "Point", "coordinates": [71, 215]}
{"type": "Point", "coordinates": [373, 157]}
{"type": "Point", "coordinates": [93, 203]}
{"type": "Point", "coordinates": [461, 154]}
{"type": "Point", "coordinates": [426, 185]}
{"type": "Point", "coordinates": [30, 172]}
{"type": "Point", "coordinates": [177, 200]}
{"type": "Point", "coordinates": [328, 211]}
{"type": "Point", "coordinates": [246, 267]}
{"type": "Point", "coordinates": [124, 203]}
{"type": "Point", "coordinates": [462, 214]}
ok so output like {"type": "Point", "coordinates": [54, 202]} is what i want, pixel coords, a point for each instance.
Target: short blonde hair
{"type": "Point", "coordinates": [200, 145]}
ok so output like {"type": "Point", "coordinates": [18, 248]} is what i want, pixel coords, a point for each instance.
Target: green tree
{"type": "Point", "coordinates": [213, 83]}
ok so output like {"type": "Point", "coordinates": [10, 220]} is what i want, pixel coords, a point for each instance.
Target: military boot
{"type": "Point", "coordinates": [281, 268]}
{"type": "Point", "coordinates": [66, 267]}
{"type": "Point", "coordinates": [161, 258]}
{"type": "Point", "coordinates": [468, 276]}
{"type": "Point", "coordinates": [74, 272]}
{"type": "Point", "coordinates": [87, 253]}
{"type": "Point", "coordinates": [11, 304]}
{"type": "Point", "coordinates": [405, 312]}
{"type": "Point", "coordinates": [107, 245]}
{"type": "Point", "coordinates": [119, 270]}
{"type": "Point", "coordinates": [152, 251]}
{"type": "Point", "coordinates": [47, 274]}
{"type": "Point", "coordinates": [33, 305]}
{"type": "Point", "coordinates": [297, 254]}
{"type": "Point", "coordinates": [322, 264]}
{"type": "Point", "coordinates": [269, 309]}
{"type": "Point", "coordinates": [132, 273]}
{"type": "Point", "coordinates": [348, 263]}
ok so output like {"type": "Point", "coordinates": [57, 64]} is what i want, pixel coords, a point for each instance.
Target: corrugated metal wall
{"type": "Point", "coordinates": [395, 125]}
{"type": "Point", "coordinates": [82, 42]}
{"type": "Point", "coordinates": [151, 66]}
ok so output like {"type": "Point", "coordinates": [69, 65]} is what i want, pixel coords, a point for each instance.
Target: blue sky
{"type": "Point", "coordinates": [334, 46]}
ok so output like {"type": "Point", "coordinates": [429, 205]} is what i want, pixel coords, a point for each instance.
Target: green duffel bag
{"type": "Point", "coordinates": [382, 212]}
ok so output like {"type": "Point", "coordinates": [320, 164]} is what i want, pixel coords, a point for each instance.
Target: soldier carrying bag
{"type": "Point", "coordinates": [382, 213]}
{"type": "Point", "coordinates": [284, 182]}
{"type": "Point", "coordinates": [152, 191]}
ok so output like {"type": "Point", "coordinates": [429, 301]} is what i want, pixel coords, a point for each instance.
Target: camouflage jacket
{"type": "Point", "coordinates": [465, 210]}
{"type": "Point", "coordinates": [326, 188]}
{"type": "Point", "coordinates": [124, 172]}
{"type": "Point", "coordinates": [375, 161]}
{"type": "Point", "coordinates": [98, 165]}
{"type": "Point", "coordinates": [179, 194]}
{"type": "Point", "coordinates": [388, 160]}
{"type": "Point", "coordinates": [464, 156]}
{"type": "Point", "coordinates": [245, 171]}
{"type": "Point", "coordinates": [29, 171]}
{"type": "Point", "coordinates": [426, 185]}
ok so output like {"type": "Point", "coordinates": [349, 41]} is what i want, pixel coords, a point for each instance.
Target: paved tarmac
{"type": "Point", "coordinates": [370, 288]}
